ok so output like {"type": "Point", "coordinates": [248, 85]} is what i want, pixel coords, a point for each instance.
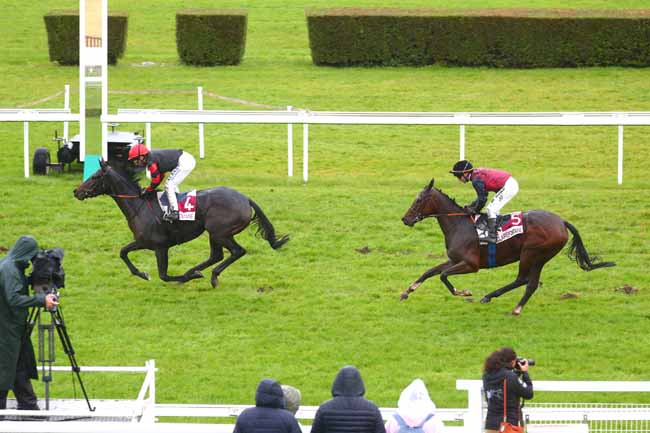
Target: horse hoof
{"type": "Point", "coordinates": [214, 281]}
{"type": "Point", "coordinates": [485, 300]}
{"type": "Point", "coordinates": [404, 297]}
{"type": "Point", "coordinates": [194, 275]}
{"type": "Point", "coordinates": [466, 292]}
{"type": "Point", "coordinates": [516, 312]}
{"type": "Point", "coordinates": [144, 276]}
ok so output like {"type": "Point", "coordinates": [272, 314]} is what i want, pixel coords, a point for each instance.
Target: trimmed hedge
{"type": "Point", "coordinates": [209, 37]}
{"type": "Point", "coordinates": [63, 36]}
{"type": "Point", "coordinates": [511, 38]}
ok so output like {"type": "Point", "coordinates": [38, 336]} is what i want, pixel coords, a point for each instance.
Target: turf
{"type": "Point", "coordinates": [300, 313]}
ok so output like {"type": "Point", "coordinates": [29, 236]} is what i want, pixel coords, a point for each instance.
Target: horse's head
{"type": "Point", "coordinates": [423, 206]}
{"type": "Point", "coordinates": [95, 185]}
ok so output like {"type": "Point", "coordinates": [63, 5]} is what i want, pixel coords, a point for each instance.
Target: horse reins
{"type": "Point", "coordinates": [445, 214]}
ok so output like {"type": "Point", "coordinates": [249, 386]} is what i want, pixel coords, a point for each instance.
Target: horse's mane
{"type": "Point", "coordinates": [448, 198]}
{"type": "Point", "coordinates": [130, 177]}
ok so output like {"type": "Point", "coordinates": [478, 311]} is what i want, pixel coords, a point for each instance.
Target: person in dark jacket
{"type": "Point", "coordinates": [484, 180]}
{"type": "Point", "coordinates": [17, 361]}
{"type": "Point", "coordinates": [502, 366]}
{"type": "Point", "coordinates": [269, 414]}
{"type": "Point", "coordinates": [348, 411]}
{"type": "Point", "coordinates": [158, 162]}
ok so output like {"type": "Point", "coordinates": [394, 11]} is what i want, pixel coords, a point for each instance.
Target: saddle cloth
{"type": "Point", "coordinates": [507, 226]}
{"type": "Point", "coordinates": [186, 204]}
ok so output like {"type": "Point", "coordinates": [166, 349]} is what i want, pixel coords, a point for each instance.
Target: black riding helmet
{"type": "Point", "coordinates": [461, 167]}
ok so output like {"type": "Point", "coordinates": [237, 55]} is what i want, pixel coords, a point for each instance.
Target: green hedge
{"type": "Point", "coordinates": [513, 38]}
{"type": "Point", "coordinates": [63, 36]}
{"type": "Point", "coordinates": [208, 37]}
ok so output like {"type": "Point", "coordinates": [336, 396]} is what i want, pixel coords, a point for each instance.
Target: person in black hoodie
{"type": "Point", "coordinates": [501, 366]}
{"type": "Point", "coordinates": [269, 414]}
{"type": "Point", "coordinates": [348, 411]}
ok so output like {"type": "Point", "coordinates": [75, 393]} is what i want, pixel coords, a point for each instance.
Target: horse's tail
{"type": "Point", "coordinates": [578, 252]}
{"type": "Point", "coordinates": [265, 228]}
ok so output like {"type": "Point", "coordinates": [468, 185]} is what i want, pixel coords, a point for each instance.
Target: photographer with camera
{"type": "Point", "coordinates": [17, 360]}
{"type": "Point", "coordinates": [505, 375]}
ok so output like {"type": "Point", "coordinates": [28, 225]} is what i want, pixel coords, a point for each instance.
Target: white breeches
{"type": "Point", "coordinates": [503, 196]}
{"type": "Point", "coordinates": [186, 164]}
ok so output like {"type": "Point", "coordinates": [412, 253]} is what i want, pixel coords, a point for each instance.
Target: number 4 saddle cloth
{"type": "Point", "coordinates": [186, 204]}
{"type": "Point", "coordinates": [507, 226]}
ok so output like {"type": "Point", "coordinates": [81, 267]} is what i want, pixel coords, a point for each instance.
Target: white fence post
{"type": "Point", "coordinates": [305, 152]}
{"type": "Point", "coordinates": [620, 154]}
{"type": "Point", "coordinates": [26, 147]}
{"type": "Point", "coordinates": [289, 146]}
{"type": "Point", "coordinates": [199, 91]}
{"type": "Point", "coordinates": [66, 106]}
{"type": "Point", "coordinates": [147, 132]}
{"type": "Point", "coordinates": [462, 142]}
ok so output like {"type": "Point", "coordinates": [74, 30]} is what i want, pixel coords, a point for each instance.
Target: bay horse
{"type": "Point", "coordinates": [545, 234]}
{"type": "Point", "coordinates": [222, 212]}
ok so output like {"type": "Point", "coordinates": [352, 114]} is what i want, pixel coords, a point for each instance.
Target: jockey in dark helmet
{"type": "Point", "coordinates": [483, 180]}
{"type": "Point", "coordinates": [159, 162]}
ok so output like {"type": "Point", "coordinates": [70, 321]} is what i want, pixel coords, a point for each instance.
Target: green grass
{"type": "Point", "coordinates": [323, 304]}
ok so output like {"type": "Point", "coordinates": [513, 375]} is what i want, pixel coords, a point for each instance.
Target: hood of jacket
{"type": "Point", "coordinates": [269, 394]}
{"type": "Point", "coordinates": [24, 250]}
{"type": "Point", "coordinates": [494, 379]}
{"type": "Point", "coordinates": [414, 403]}
{"type": "Point", "coordinates": [348, 383]}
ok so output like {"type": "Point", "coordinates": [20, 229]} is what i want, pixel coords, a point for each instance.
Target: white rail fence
{"type": "Point", "coordinates": [143, 413]}
{"type": "Point", "coordinates": [291, 116]}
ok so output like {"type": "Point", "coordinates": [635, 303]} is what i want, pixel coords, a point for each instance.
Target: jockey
{"type": "Point", "coordinates": [159, 162]}
{"type": "Point", "coordinates": [483, 180]}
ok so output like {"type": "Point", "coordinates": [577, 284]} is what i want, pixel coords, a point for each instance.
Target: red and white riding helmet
{"type": "Point", "coordinates": [137, 151]}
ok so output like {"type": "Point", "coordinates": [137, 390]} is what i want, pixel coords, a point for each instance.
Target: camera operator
{"type": "Point", "coordinates": [503, 365]}
{"type": "Point", "coordinates": [17, 360]}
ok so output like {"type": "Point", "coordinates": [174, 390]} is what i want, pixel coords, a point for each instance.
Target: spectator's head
{"type": "Point", "coordinates": [269, 394]}
{"type": "Point", "coordinates": [291, 398]}
{"type": "Point", "coordinates": [414, 402]}
{"type": "Point", "coordinates": [348, 383]}
{"type": "Point", "coordinates": [499, 359]}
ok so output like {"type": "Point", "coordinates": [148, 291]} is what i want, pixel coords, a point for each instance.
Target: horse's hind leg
{"type": "Point", "coordinates": [124, 254]}
{"type": "Point", "coordinates": [533, 283]}
{"type": "Point", "coordinates": [236, 252]}
{"type": "Point", "coordinates": [216, 255]}
{"type": "Point", "coordinates": [162, 258]}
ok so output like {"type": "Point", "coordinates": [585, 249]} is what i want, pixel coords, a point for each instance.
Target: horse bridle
{"type": "Point", "coordinates": [419, 217]}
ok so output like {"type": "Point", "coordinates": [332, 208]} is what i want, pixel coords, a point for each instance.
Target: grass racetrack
{"type": "Point", "coordinates": [300, 313]}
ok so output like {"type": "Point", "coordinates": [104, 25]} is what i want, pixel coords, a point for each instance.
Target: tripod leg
{"type": "Point", "coordinates": [59, 324]}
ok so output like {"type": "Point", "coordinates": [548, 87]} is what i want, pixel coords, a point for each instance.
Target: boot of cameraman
{"type": "Point", "coordinates": [17, 360]}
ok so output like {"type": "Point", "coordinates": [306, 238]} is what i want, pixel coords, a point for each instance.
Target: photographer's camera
{"type": "Point", "coordinates": [522, 361]}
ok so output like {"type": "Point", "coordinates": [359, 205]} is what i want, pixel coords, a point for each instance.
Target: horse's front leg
{"type": "Point", "coordinates": [162, 259]}
{"type": "Point", "coordinates": [428, 274]}
{"type": "Point", "coordinates": [124, 254]}
{"type": "Point", "coordinates": [458, 268]}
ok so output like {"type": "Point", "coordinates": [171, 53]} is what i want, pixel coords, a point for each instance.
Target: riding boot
{"type": "Point", "coordinates": [492, 230]}
{"type": "Point", "coordinates": [172, 210]}
{"type": "Point", "coordinates": [171, 215]}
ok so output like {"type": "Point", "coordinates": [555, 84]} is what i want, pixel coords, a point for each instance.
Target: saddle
{"type": "Point", "coordinates": [508, 225]}
{"type": "Point", "coordinates": [186, 204]}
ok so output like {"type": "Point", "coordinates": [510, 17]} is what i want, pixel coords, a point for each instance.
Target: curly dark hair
{"type": "Point", "coordinates": [499, 359]}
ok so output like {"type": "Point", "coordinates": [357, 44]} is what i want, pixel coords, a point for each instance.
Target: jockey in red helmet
{"type": "Point", "coordinates": [159, 162]}
{"type": "Point", "coordinates": [484, 180]}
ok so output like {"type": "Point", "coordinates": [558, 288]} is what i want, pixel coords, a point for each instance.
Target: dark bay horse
{"type": "Point", "coordinates": [222, 212]}
{"type": "Point", "coordinates": [545, 234]}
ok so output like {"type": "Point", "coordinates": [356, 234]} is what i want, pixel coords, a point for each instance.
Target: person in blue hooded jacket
{"type": "Point", "coordinates": [348, 411]}
{"type": "Point", "coordinates": [17, 361]}
{"type": "Point", "coordinates": [269, 414]}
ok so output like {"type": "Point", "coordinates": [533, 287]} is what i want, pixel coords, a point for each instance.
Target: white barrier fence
{"type": "Point", "coordinates": [143, 413]}
{"type": "Point", "coordinates": [306, 117]}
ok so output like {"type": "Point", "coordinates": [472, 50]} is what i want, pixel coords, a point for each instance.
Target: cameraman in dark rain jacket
{"type": "Point", "coordinates": [17, 361]}
{"type": "Point", "coordinates": [501, 366]}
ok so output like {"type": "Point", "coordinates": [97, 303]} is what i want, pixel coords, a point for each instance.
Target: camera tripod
{"type": "Point", "coordinates": [46, 351]}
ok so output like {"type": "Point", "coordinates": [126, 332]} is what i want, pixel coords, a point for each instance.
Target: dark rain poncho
{"type": "Point", "coordinates": [14, 308]}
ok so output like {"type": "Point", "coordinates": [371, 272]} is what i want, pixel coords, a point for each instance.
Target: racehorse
{"type": "Point", "coordinates": [222, 212]}
{"type": "Point", "coordinates": [545, 234]}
